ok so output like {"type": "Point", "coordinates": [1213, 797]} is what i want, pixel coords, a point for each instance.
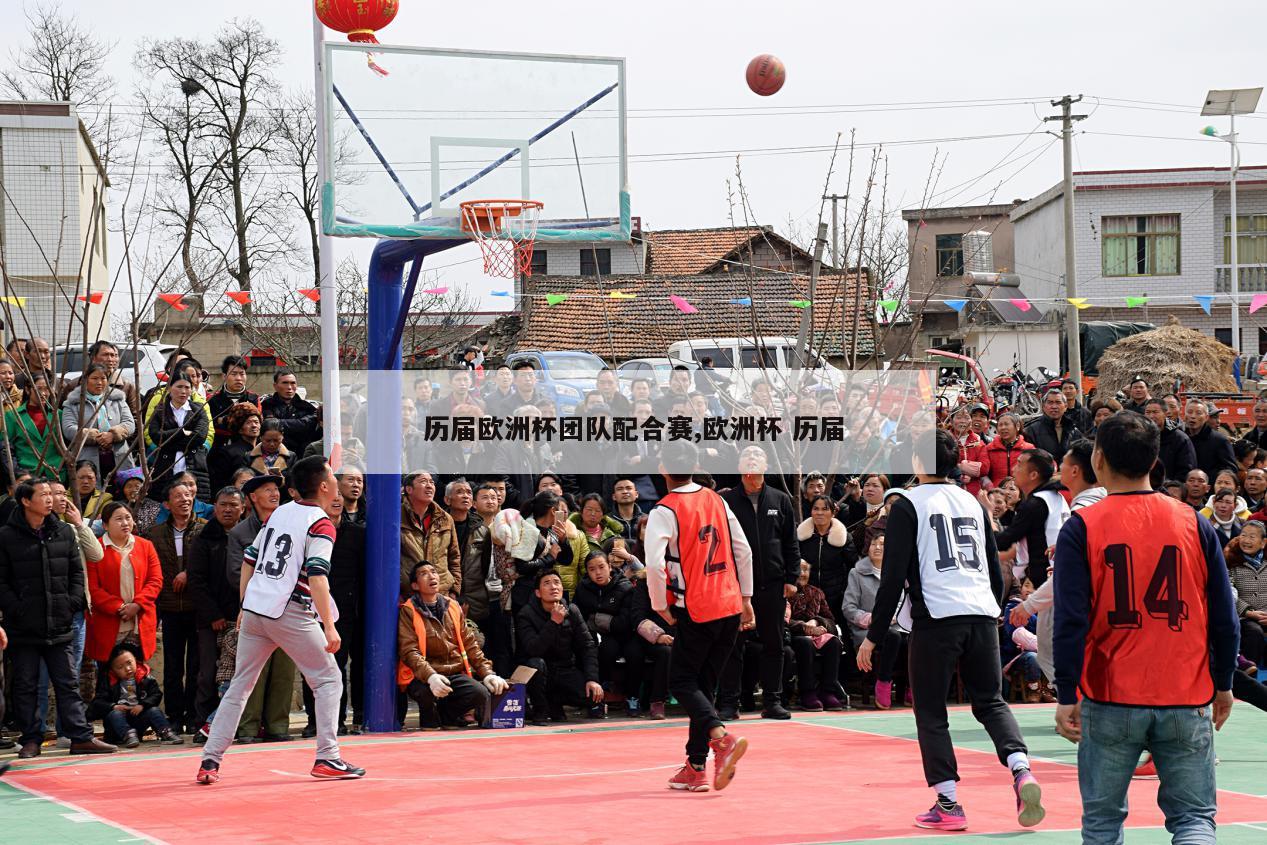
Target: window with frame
{"type": "Point", "coordinates": [539, 263]}
{"type": "Point", "coordinates": [950, 255]}
{"type": "Point", "coordinates": [1223, 336]}
{"type": "Point", "coordinates": [1140, 245]}
{"type": "Point", "coordinates": [1251, 240]}
{"type": "Point", "coordinates": [596, 262]}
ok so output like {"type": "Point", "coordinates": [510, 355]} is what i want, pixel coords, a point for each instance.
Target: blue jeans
{"type": "Point", "coordinates": [80, 629]}
{"type": "Point", "coordinates": [1182, 744]}
{"type": "Point", "coordinates": [117, 723]}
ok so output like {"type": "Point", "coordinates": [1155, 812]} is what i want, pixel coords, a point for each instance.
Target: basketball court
{"type": "Point", "coordinates": [825, 778]}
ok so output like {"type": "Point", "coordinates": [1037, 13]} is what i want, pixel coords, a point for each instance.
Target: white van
{"type": "Point", "coordinates": [750, 354]}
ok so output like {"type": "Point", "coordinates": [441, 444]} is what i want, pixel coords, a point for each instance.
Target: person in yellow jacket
{"type": "Point", "coordinates": [441, 666]}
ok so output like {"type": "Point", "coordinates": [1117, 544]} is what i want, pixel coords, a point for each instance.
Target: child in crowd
{"type": "Point", "coordinates": [127, 700]}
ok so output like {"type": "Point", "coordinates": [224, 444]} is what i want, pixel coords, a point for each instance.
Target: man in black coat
{"type": "Point", "coordinates": [1213, 448]}
{"type": "Point", "coordinates": [1258, 434]}
{"type": "Point", "coordinates": [552, 638]}
{"type": "Point", "coordinates": [300, 420]}
{"type": "Point", "coordinates": [41, 589]}
{"type": "Point", "coordinates": [232, 391]}
{"type": "Point", "coordinates": [1177, 455]}
{"type": "Point", "coordinates": [768, 517]}
{"type": "Point", "coordinates": [1052, 432]}
{"type": "Point", "coordinates": [215, 599]}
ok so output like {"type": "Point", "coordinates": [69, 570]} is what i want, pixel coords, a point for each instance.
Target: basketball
{"type": "Point", "coordinates": [765, 74]}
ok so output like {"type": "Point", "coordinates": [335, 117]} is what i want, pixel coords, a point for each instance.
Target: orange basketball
{"type": "Point", "coordinates": [765, 74]}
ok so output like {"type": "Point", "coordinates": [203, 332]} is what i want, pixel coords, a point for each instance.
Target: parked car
{"type": "Point", "coordinates": [657, 370]}
{"type": "Point", "coordinates": [564, 376]}
{"type": "Point", "coordinates": [774, 354]}
{"type": "Point", "coordinates": [144, 362]}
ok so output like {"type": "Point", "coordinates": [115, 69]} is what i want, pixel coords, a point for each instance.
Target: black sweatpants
{"type": "Point", "coordinates": [886, 654]}
{"type": "Point", "coordinates": [820, 679]}
{"type": "Point", "coordinates": [65, 679]}
{"type": "Point", "coordinates": [742, 671]}
{"type": "Point", "coordinates": [662, 655]}
{"type": "Point", "coordinates": [498, 645]}
{"type": "Point", "coordinates": [935, 652]}
{"type": "Point", "coordinates": [610, 649]}
{"type": "Point", "coordinates": [468, 694]}
{"type": "Point", "coordinates": [180, 668]}
{"type": "Point", "coordinates": [700, 651]}
{"type": "Point", "coordinates": [553, 686]}
{"type": "Point", "coordinates": [769, 606]}
{"type": "Point", "coordinates": [207, 698]}
{"type": "Point", "coordinates": [1253, 643]}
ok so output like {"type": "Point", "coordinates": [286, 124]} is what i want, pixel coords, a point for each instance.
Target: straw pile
{"type": "Point", "coordinates": [1165, 355]}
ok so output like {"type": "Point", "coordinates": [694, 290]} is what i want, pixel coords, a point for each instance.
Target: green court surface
{"type": "Point", "coordinates": [824, 778]}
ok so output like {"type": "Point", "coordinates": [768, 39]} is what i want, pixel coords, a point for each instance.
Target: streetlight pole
{"type": "Point", "coordinates": [1236, 271]}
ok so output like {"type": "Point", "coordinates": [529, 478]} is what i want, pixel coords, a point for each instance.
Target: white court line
{"type": "Point", "coordinates": [496, 777]}
{"type": "Point", "coordinates": [139, 836]}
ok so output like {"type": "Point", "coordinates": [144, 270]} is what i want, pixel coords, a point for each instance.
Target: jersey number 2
{"type": "Point", "coordinates": [709, 534]}
{"type": "Point", "coordinates": [1163, 599]}
{"type": "Point", "coordinates": [962, 531]}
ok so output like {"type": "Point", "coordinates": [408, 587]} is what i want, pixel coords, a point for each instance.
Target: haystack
{"type": "Point", "coordinates": [1165, 355]}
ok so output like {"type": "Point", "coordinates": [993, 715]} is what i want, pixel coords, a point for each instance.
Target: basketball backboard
{"type": "Point", "coordinates": [446, 126]}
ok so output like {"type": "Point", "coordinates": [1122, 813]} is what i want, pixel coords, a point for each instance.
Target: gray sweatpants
{"type": "Point", "coordinates": [298, 633]}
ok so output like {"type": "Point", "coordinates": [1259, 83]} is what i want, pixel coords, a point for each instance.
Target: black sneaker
{"type": "Point", "coordinates": [727, 714]}
{"type": "Point", "coordinates": [309, 731]}
{"type": "Point", "coordinates": [335, 770]}
{"type": "Point", "coordinates": [598, 711]}
{"type": "Point", "coordinates": [776, 711]}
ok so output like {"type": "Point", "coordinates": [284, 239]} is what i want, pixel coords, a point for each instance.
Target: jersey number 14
{"type": "Point", "coordinates": [1162, 599]}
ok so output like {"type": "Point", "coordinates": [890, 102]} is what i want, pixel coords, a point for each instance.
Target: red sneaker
{"type": "Point", "coordinates": [689, 779]}
{"type": "Point", "coordinates": [1146, 769]}
{"type": "Point", "coordinates": [208, 772]}
{"type": "Point", "coordinates": [726, 753]}
{"type": "Point", "coordinates": [336, 770]}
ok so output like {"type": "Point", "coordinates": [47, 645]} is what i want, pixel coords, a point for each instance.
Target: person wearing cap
{"type": "Point", "coordinates": [980, 413]}
{"type": "Point", "coordinates": [1138, 395]}
{"type": "Point", "coordinates": [1177, 455]}
{"type": "Point", "coordinates": [1213, 448]}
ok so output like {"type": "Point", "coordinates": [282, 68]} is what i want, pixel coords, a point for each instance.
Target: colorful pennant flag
{"type": "Point", "coordinates": [682, 305]}
{"type": "Point", "coordinates": [502, 293]}
{"type": "Point", "coordinates": [241, 297]}
{"type": "Point", "coordinates": [745, 301]}
{"type": "Point", "coordinates": [436, 291]}
{"type": "Point", "coordinates": [889, 305]}
{"type": "Point", "coordinates": [800, 303]}
{"type": "Point", "coordinates": [957, 304]}
{"type": "Point", "coordinates": [620, 294]}
{"type": "Point", "coordinates": [1136, 301]}
{"type": "Point", "coordinates": [1204, 300]}
{"type": "Point", "coordinates": [1021, 304]}
{"type": "Point", "coordinates": [1079, 302]}
{"type": "Point", "coordinates": [312, 293]}
{"type": "Point", "coordinates": [19, 301]}
{"type": "Point", "coordinates": [94, 298]}
{"type": "Point", "coordinates": [174, 300]}
{"type": "Point", "coordinates": [555, 298]}
{"type": "Point", "coordinates": [1259, 300]}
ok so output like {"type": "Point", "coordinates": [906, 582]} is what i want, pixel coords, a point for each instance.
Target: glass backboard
{"type": "Point", "coordinates": [441, 127]}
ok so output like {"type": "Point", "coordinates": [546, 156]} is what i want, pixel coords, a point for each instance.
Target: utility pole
{"type": "Point", "coordinates": [1072, 320]}
{"type": "Point", "coordinates": [807, 314]}
{"type": "Point", "coordinates": [835, 228]}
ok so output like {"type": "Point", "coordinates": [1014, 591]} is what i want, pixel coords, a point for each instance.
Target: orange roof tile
{"type": "Point", "coordinates": [685, 252]}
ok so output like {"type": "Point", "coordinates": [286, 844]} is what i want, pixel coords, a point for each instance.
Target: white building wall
{"type": "Point", "coordinates": [1040, 253]}
{"type": "Point", "coordinates": [997, 348]}
{"type": "Point", "coordinates": [565, 259]}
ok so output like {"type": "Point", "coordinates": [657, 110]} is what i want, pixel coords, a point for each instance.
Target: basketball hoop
{"type": "Point", "coordinates": [505, 231]}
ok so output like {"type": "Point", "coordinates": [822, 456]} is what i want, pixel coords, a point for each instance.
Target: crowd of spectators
{"type": "Point", "coordinates": [128, 531]}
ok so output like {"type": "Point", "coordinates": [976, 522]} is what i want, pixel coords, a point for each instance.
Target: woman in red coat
{"type": "Point", "coordinates": [124, 585]}
{"type": "Point", "coordinates": [971, 450]}
{"type": "Point", "coordinates": [1004, 450]}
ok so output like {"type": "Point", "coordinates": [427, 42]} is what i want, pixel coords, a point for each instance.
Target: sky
{"type": "Point", "coordinates": [913, 75]}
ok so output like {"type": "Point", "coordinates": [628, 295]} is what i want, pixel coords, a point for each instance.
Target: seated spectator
{"type": "Point", "coordinates": [622, 560]}
{"type": "Point", "coordinates": [864, 582]}
{"type": "Point", "coordinates": [123, 587]}
{"type": "Point", "coordinates": [236, 440]}
{"type": "Point", "coordinates": [127, 700]}
{"type": "Point", "coordinates": [862, 505]}
{"type": "Point", "coordinates": [625, 507]}
{"type": "Point", "coordinates": [813, 631]}
{"type": "Point", "coordinates": [594, 522]}
{"type": "Point", "coordinates": [1223, 516]}
{"type": "Point", "coordinates": [97, 424]}
{"type": "Point", "coordinates": [553, 639]}
{"type": "Point", "coordinates": [270, 455]}
{"type": "Point", "coordinates": [441, 664]}
{"type": "Point", "coordinates": [655, 642]}
{"type": "Point", "coordinates": [1019, 646]}
{"type": "Point", "coordinates": [826, 547]}
{"type": "Point", "coordinates": [1248, 570]}
{"type": "Point", "coordinates": [90, 498]}
{"type": "Point", "coordinates": [603, 596]}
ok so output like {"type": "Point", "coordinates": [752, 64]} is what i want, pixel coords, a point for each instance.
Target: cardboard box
{"type": "Point", "coordinates": [510, 709]}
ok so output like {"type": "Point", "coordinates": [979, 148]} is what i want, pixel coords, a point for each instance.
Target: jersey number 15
{"type": "Point", "coordinates": [960, 531]}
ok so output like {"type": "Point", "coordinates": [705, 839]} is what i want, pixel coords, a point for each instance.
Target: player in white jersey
{"type": "Point", "coordinates": [286, 604]}
{"type": "Point", "coordinates": [939, 548]}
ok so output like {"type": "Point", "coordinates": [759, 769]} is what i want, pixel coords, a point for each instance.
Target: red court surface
{"type": "Point", "coordinates": [532, 787]}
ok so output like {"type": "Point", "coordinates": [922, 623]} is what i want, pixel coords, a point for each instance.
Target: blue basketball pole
{"type": "Point", "coordinates": [388, 309]}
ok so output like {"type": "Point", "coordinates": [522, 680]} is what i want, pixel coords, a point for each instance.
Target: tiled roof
{"type": "Point", "coordinates": [685, 252]}
{"type": "Point", "coordinates": [646, 325]}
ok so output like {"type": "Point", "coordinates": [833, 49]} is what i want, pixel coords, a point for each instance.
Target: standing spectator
{"type": "Point", "coordinates": [711, 384]}
{"type": "Point", "coordinates": [474, 545]}
{"type": "Point", "coordinates": [859, 602]}
{"type": "Point", "coordinates": [232, 392]}
{"type": "Point", "coordinates": [1258, 434]}
{"type": "Point", "coordinates": [1196, 489]}
{"type": "Point", "coordinates": [497, 390]}
{"type": "Point", "coordinates": [97, 423]}
{"type": "Point", "coordinates": [1076, 415]}
{"type": "Point", "coordinates": [39, 357]}
{"type": "Point", "coordinates": [299, 418]}
{"type": "Point", "coordinates": [519, 462]}
{"type": "Point", "coordinates": [552, 638]}
{"type": "Point", "coordinates": [124, 587]}
{"type": "Point", "coordinates": [524, 391]}
{"type": "Point", "coordinates": [10, 398]}
{"type": "Point", "coordinates": [214, 598]}
{"type": "Point", "coordinates": [106, 354]}
{"type": "Point", "coordinates": [90, 498]}
{"type": "Point", "coordinates": [679, 391]}
{"type": "Point", "coordinates": [176, 607]}
{"type": "Point", "coordinates": [1110, 652]}
{"type": "Point", "coordinates": [609, 388]}
{"type": "Point", "coordinates": [41, 589]}
{"type": "Point", "coordinates": [1255, 489]}
{"type": "Point", "coordinates": [235, 443]}
{"type": "Point", "coordinates": [1052, 432]}
{"type": "Point", "coordinates": [980, 413]}
{"type": "Point", "coordinates": [482, 588]}
{"type": "Point", "coordinates": [189, 370]}
{"type": "Point", "coordinates": [1248, 571]}
{"type": "Point", "coordinates": [1038, 518]}
{"type": "Point", "coordinates": [461, 392]}
{"type": "Point", "coordinates": [1101, 410]}
{"type": "Point", "coordinates": [826, 547]}
{"type": "Point", "coordinates": [625, 508]}
{"type": "Point", "coordinates": [179, 429]}
{"type": "Point", "coordinates": [347, 588]}
{"type": "Point", "coordinates": [769, 526]}
{"type": "Point", "coordinates": [813, 629]}
{"type": "Point", "coordinates": [352, 489]}
{"type": "Point", "coordinates": [427, 533]}
{"type": "Point", "coordinates": [267, 710]}
{"type": "Point", "coordinates": [1213, 448]}
{"type": "Point", "coordinates": [525, 546]}
{"type": "Point", "coordinates": [972, 456]}
{"type": "Point", "coordinates": [270, 455]}
{"type": "Point", "coordinates": [32, 428]}
{"type": "Point", "coordinates": [1177, 454]}
{"type": "Point", "coordinates": [1138, 394]}
{"type": "Point", "coordinates": [1002, 453]}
